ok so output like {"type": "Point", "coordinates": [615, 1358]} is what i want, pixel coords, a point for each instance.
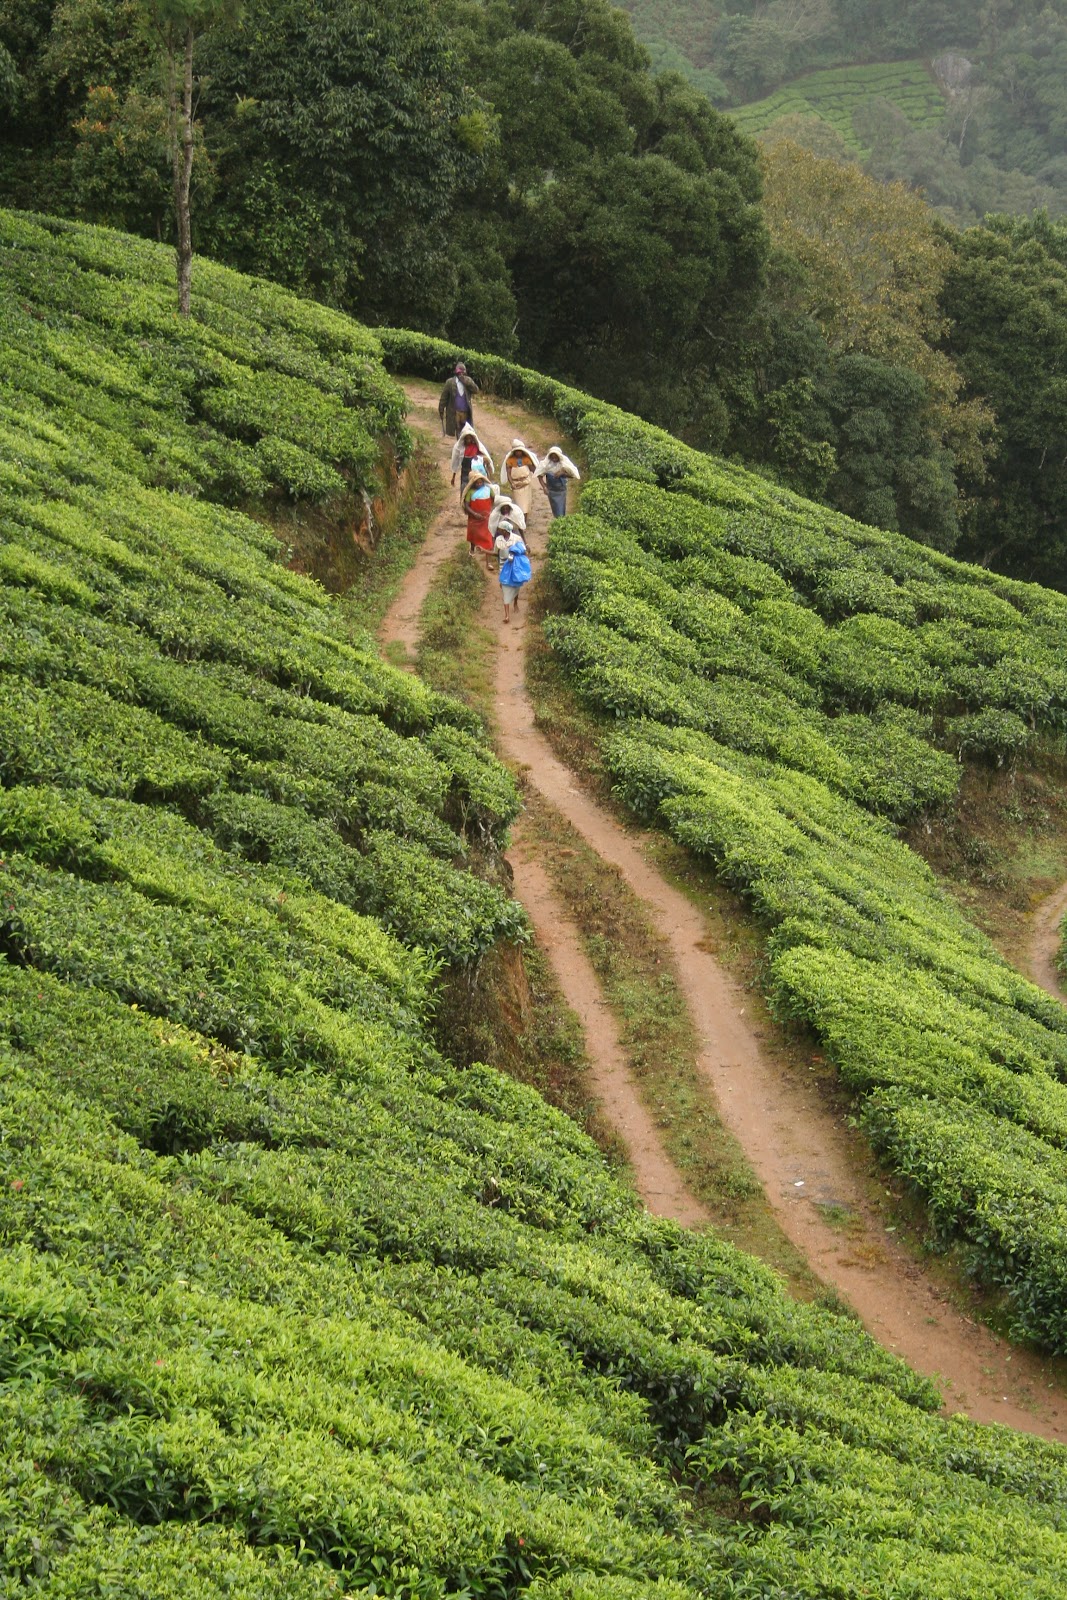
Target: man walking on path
{"type": "Point", "coordinates": [454, 407]}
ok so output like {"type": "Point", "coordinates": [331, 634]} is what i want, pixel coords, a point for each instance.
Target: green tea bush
{"type": "Point", "coordinates": [250, 394]}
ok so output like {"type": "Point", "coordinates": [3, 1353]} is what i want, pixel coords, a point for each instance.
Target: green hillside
{"type": "Point", "coordinates": [292, 1305]}
{"type": "Point", "coordinates": [835, 94]}
{"type": "Point", "coordinates": [779, 686]}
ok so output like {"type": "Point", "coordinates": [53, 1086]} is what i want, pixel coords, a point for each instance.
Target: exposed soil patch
{"type": "Point", "coordinates": [1045, 943]}
{"type": "Point", "coordinates": [1002, 851]}
{"type": "Point", "coordinates": [801, 1156]}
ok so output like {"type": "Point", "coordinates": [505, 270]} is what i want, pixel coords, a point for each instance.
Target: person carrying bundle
{"type": "Point", "coordinates": [505, 507]}
{"type": "Point", "coordinates": [468, 449]}
{"type": "Point", "coordinates": [520, 464]}
{"type": "Point", "coordinates": [514, 564]}
{"type": "Point", "coordinates": [553, 473]}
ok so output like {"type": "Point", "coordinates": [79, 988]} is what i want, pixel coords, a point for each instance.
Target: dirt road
{"type": "Point", "coordinates": [790, 1139]}
{"type": "Point", "coordinates": [1045, 943]}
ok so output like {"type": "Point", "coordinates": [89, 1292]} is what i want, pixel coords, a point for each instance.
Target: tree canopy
{"type": "Point", "coordinates": [872, 262]}
{"type": "Point", "coordinates": [1006, 296]}
{"type": "Point", "coordinates": [344, 138]}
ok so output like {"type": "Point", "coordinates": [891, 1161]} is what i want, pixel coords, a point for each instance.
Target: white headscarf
{"type": "Point", "coordinates": [518, 446]}
{"type": "Point", "coordinates": [476, 478]}
{"type": "Point", "coordinates": [555, 461]}
{"type": "Point", "coordinates": [465, 433]}
{"type": "Point", "coordinates": [506, 508]}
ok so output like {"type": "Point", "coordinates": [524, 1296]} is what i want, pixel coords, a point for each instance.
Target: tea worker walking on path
{"type": "Point", "coordinates": [520, 464]}
{"type": "Point", "coordinates": [468, 449]}
{"type": "Point", "coordinates": [455, 407]}
{"type": "Point", "coordinates": [552, 473]}
{"type": "Point", "coordinates": [514, 564]}
{"type": "Point", "coordinates": [478, 499]}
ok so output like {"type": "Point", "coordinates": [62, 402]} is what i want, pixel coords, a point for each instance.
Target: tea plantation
{"type": "Point", "coordinates": [291, 1306]}
{"type": "Point", "coordinates": [835, 94]}
{"type": "Point", "coordinates": [779, 687]}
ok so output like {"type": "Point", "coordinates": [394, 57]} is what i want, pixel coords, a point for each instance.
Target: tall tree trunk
{"type": "Point", "coordinates": [181, 119]}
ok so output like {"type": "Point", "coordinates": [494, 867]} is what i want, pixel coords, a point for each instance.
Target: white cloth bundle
{"type": "Point", "coordinates": [555, 461]}
{"type": "Point", "coordinates": [467, 432]}
{"type": "Point", "coordinates": [506, 508]}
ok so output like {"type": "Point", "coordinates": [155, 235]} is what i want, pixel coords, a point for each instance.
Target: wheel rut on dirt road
{"type": "Point", "coordinates": [791, 1140]}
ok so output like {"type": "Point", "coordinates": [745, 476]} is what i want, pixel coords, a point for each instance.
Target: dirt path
{"type": "Point", "coordinates": [655, 1176]}
{"type": "Point", "coordinates": [793, 1144]}
{"type": "Point", "coordinates": [400, 625]}
{"type": "Point", "coordinates": [657, 1180]}
{"type": "Point", "coordinates": [1045, 943]}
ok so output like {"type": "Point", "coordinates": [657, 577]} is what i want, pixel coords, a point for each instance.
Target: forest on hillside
{"type": "Point", "coordinates": [999, 139]}
{"type": "Point", "coordinates": [515, 176]}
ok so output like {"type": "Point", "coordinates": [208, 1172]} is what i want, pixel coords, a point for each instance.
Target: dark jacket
{"type": "Point", "coordinates": [446, 406]}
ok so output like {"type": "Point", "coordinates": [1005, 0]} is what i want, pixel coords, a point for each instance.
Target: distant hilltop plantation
{"type": "Point", "coordinates": [838, 96]}
{"type": "Point", "coordinates": [963, 101]}
{"type": "Point", "coordinates": [294, 1305]}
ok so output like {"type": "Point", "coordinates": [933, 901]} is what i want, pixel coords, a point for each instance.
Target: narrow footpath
{"type": "Point", "coordinates": [791, 1141]}
{"type": "Point", "coordinates": [1045, 944]}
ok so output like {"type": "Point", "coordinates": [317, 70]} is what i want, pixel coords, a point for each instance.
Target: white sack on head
{"type": "Point", "coordinates": [467, 432]}
{"type": "Point", "coordinates": [506, 508]}
{"type": "Point", "coordinates": [561, 463]}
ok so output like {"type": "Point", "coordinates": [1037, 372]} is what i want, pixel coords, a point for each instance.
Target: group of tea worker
{"type": "Point", "coordinates": [496, 522]}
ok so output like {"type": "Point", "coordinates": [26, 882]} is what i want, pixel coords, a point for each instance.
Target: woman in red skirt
{"type": "Point", "coordinates": [478, 500]}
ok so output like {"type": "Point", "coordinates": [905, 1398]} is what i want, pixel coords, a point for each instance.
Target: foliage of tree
{"type": "Point", "coordinates": [344, 136]}
{"type": "Point", "coordinates": [961, 185]}
{"type": "Point", "coordinates": [60, 53]}
{"type": "Point", "coordinates": [871, 263]}
{"type": "Point", "coordinates": [890, 470]}
{"type": "Point", "coordinates": [118, 167]}
{"type": "Point", "coordinates": [1006, 298]}
{"type": "Point", "coordinates": [627, 210]}
{"type": "Point", "coordinates": [10, 81]}
{"type": "Point", "coordinates": [759, 50]}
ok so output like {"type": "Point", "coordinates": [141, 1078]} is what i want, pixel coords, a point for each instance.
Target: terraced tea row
{"type": "Point", "coordinates": [836, 94]}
